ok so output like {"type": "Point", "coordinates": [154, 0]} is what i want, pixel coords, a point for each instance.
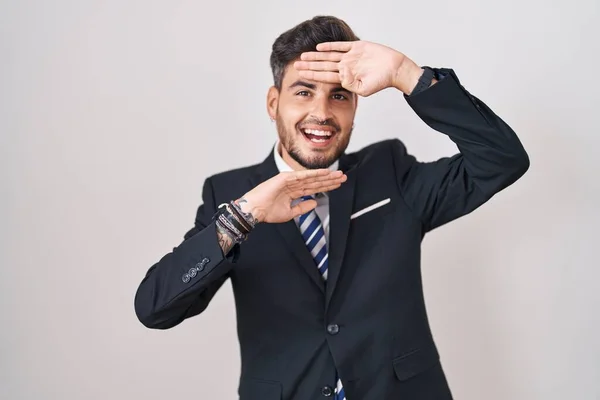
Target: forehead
{"type": "Point", "coordinates": [291, 75]}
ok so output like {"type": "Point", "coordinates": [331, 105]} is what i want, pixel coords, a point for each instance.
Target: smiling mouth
{"type": "Point", "coordinates": [316, 136]}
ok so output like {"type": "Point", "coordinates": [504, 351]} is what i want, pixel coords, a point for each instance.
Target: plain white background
{"type": "Point", "coordinates": [110, 114]}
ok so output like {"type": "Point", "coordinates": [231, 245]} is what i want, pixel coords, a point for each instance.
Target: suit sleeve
{"type": "Point", "coordinates": [490, 157]}
{"type": "Point", "coordinates": [185, 280]}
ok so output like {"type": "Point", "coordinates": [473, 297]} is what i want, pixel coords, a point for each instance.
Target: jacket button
{"type": "Point", "coordinates": [199, 267]}
{"type": "Point", "coordinates": [186, 278]}
{"type": "Point", "coordinates": [327, 391]}
{"type": "Point", "coordinates": [333, 329]}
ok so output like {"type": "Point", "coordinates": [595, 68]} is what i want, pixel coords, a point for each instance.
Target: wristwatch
{"type": "Point", "coordinates": [424, 81]}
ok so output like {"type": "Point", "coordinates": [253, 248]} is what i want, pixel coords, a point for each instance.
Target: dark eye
{"type": "Point", "coordinates": [339, 96]}
{"type": "Point", "coordinates": [303, 93]}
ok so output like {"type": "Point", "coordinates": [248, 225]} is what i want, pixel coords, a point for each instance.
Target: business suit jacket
{"type": "Point", "coordinates": [368, 322]}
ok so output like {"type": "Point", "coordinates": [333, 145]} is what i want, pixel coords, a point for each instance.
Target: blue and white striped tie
{"type": "Point", "coordinates": [314, 238]}
{"type": "Point", "coordinates": [313, 233]}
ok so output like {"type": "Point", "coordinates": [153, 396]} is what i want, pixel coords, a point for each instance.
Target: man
{"type": "Point", "coordinates": [323, 247]}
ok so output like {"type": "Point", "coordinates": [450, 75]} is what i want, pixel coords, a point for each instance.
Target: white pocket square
{"type": "Point", "coordinates": [370, 208]}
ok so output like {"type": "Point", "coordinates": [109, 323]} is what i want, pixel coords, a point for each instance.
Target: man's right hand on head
{"type": "Point", "coordinates": [271, 201]}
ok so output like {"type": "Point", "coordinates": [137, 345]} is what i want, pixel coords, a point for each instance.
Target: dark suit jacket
{"type": "Point", "coordinates": [369, 321]}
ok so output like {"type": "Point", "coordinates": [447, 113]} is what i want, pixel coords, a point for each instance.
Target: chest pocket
{"type": "Point", "coordinates": [373, 209]}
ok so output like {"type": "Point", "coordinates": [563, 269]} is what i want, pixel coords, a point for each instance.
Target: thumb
{"type": "Point", "coordinates": [348, 79]}
{"type": "Point", "coordinates": [303, 207]}
{"type": "Point", "coordinates": [352, 84]}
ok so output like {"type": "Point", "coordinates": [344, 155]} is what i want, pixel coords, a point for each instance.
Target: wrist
{"type": "Point", "coordinates": [407, 76]}
{"type": "Point", "coordinates": [230, 224]}
{"type": "Point", "coordinates": [249, 211]}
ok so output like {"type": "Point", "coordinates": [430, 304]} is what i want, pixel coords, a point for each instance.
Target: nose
{"type": "Point", "coordinates": [321, 108]}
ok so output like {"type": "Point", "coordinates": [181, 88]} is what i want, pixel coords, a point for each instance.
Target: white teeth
{"type": "Point", "coordinates": [318, 133]}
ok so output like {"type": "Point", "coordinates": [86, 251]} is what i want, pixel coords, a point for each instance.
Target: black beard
{"type": "Point", "coordinates": [314, 163]}
{"type": "Point", "coordinates": [317, 162]}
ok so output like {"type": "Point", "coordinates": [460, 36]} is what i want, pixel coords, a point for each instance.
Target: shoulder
{"type": "Point", "coordinates": [381, 159]}
{"type": "Point", "coordinates": [233, 178]}
{"type": "Point", "coordinates": [233, 183]}
{"type": "Point", "coordinates": [234, 175]}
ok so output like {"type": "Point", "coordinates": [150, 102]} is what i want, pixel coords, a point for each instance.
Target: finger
{"type": "Point", "coordinates": [291, 177]}
{"type": "Point", "coordinates": [316, 187]}
{"type": "Point", "coordinates": [311, 173]}
{"type": "Point", "coordinates": [312, 191]}
{"type": "Point", "coordinates": [332, 176]}
{"type": "Point", "coordinates": [321, 56]}
{"type": "Point", "coordinates": [305, 175]}
{"type": "Point", "coordinates": [303, 207]}
{"type": "Point", "coordinates": [312, 182]}
{"type": "Point", "coordinates": [317, 65]}
{"type": "Point", "coordinates": [321, 76]}
{"type": "Point", "coordinates": [334, 46]}
{"type": "Point", "coordinates": [304, 189]}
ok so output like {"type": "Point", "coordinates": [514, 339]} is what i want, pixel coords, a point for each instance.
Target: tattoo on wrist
{"type": "Point", "coordinates": [233, 225]}
{"type": "Point", "coordinates": [225, 239]}
{"type": "Point", "coordinates": [248, 217]}
{"type": "Point", "coordinates": [237, 236]}
{"type": "Point", "coordinates": [242, 225]}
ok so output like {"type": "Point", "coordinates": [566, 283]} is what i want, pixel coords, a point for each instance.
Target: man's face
{"type": "Point", "coordinates": [314, 119]}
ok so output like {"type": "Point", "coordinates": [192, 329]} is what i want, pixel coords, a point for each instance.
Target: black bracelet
{"type": "Point", "coordinates": [230, 224]}
{"type": "Point", "coordinates": [235, 221]}
{"type": "Point", "coordinates": [226, 231]}
{"type": "Point", "coordinates": [247, 217]}
{"type": "Point", "coordinates": [246, 227]}
{"type": "Point", "coordinates": [225, 209]}
{"type": "Point", "coordinates": [235, 234]}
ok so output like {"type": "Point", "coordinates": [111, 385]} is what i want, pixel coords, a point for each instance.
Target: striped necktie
{"type": "Point", "coordinates": [313, 234]}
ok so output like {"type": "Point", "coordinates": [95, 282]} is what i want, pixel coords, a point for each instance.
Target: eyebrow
{"type": "Point", "coordinates": [340, 89]}
{"type": "Point", "coordinates": [312, 86]}
{"type": "Point", "coordinates": [302, 83]}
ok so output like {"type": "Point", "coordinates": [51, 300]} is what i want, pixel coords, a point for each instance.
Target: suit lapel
{"type": "Point", "coordinates": [288, 231]}
{"type": "Point", "coordinates": [341, 202]}
{"type": "Point", "coordinates": [291, 234]}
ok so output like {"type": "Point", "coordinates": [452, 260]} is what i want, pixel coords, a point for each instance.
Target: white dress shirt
{"type": "Point", "coordinates": [321, 198]}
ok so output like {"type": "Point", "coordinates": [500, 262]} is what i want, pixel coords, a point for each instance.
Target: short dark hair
{"type": "Point", "coordinates": [305, 37]}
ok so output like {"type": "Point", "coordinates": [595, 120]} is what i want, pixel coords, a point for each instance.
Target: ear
{"type": "Point", "coordinates": [272, 100]}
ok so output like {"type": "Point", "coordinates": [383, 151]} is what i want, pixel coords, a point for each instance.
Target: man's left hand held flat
{"type": "Point", "coordinates": [362, 67]}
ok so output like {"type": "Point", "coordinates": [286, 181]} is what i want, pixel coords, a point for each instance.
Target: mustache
{"type": "Point", "coordinates": [325, 122]}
